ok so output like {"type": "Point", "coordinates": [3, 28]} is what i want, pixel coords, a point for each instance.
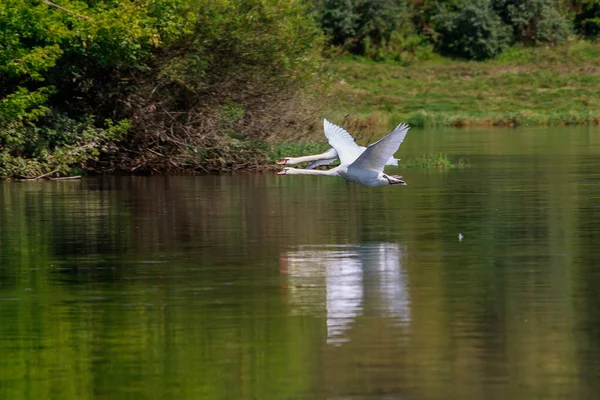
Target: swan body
{"type": "Point", "coordinates": [325, 158]}
{"type": "Point", "coordinates": [364, 167]}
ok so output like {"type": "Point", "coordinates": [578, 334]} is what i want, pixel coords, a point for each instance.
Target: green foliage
{"type": "Point", "coordinates": [587, 18]}
{"type": "Point", "coordinates": [580, 54]}
{"type": "Point", "coordinates": [361, 25]}
{"type": "Point", "coordinates": [404, 30]}
{"type": "Point", "coordinates": [235, 76]}
{"type": "Point", "coordinates": [471, 30]}
{"type": "Point", "coordinates": [403, 47]}
{"type": "Point", "coordinates": [56, 144]}
{"type": "Point", "coordinates": [534, 21]}
{"type": "Point", "coordinates": [192, 77]}
{"type": "Point", "coordinates": [68, 60]}
{"type": "Point", "coordinates": [433, 161]}
{"type": "Point", "coordinates": [21, 105]}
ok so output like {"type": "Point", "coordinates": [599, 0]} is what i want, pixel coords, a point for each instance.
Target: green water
{"type": "Point", "coordinates": [299, 287]}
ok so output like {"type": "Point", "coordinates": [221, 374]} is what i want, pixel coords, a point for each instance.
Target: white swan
{"type": "Point", "coordinates": [324, 158]}
{"type": "Point", "coordinates": [358, 166]}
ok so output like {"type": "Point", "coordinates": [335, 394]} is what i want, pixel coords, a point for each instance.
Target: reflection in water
{"type": "Point", "coordinates": [343, 274]}
{"type": "Point", "coordinates": [170, 287]}
{"type": "Point", "coordinates": [344, 296]}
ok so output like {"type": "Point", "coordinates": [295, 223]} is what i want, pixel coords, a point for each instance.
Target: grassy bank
{"type": "Point", "coordinates": [441, 161]}
{"type": "Point", "coordinates": [525, 86]}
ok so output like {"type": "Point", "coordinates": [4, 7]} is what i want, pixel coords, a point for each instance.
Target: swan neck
{"type": "Point", "coordinates": [296, 171]}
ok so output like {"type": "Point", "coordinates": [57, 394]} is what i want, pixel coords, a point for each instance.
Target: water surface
{"type": "Point", "coordinates": [257, 286]}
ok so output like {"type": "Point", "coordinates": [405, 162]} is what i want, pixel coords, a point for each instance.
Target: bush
{"type": "Point", "coordinates": [59, 67]}
{"type": "Point", "coordinates": [198, 81]}
{"type": "Point", "coordinates": [232, 80]}
{"type": "Point", "coordinates": [534, 21]}
{"type": "Point", "coordinates": [361, 24]}
{"type": "Point", "coordinates": [587, 17]}
{"type": "Point", "coordinates": [472, 31]}
{"type": "Point", "coordinates": [56, 145]}
{"type": "Point", "coordinates": [403, 47]}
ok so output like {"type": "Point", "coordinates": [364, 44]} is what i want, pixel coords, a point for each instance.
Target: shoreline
{"type": "Point", "coordinates": [525, 87]}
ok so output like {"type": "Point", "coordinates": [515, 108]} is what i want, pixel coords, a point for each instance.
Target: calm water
{"type": "Point", "coordinates": [299, 287]}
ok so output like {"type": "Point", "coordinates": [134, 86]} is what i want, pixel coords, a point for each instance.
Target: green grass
{"type": "Point", "coordinates": [525, 86]}
{"type": "Point", "coordinates": [433, 161]}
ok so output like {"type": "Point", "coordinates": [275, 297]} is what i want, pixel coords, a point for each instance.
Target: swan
{"type": "Point", "coordinates": [358, 166]}
{"type": "Point", "coordinates": [324, 158]}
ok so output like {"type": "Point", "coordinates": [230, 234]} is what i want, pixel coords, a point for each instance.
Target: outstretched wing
{"type": "Point", "coordinates": [378, 154]}
{"type": "Point", "coordinates": [392, 161]}
{"type": "Point", "coordinates": [342, 142]}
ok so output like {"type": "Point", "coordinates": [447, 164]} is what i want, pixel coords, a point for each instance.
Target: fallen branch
{"type": "Point", "coordinates": [46, 174]}
{"type": "Point", "coordinates": [66, 178]}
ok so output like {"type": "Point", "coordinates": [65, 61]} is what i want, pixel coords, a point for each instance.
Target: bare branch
{"type": "Point", "coordinates": [46, 174]}
{"type": "Point", "coordinates": [66, 10]}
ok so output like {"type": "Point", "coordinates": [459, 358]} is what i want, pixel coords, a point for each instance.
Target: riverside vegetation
{"type": "Point", "coordinates": [524, 86]}
{"type": "Point", "coordinates": [220, 85]}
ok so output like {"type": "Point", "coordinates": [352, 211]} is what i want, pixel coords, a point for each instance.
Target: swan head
{"type": "Point", "coordinates": [283, 161]}
{"type": "Point", "coordinates": [283, 171]}
{"type": "Point", "coordinates": [391, 179]}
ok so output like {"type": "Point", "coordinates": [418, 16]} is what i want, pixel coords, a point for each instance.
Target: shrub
{"type": "Point", "coordinates": [471, 30]}
{"type": "Point", "coordinates": [403, 47]}
{"type": "Point", "coordinates": [233, 79]}
{"type": "Point", "coordinates": [59, 67]}
{"type": "Point", "coordinates": [197, 80]}
{"type": "Point", "coordinates": [534, 21]}
{"type": "Point", "coordinates": [361, 24]}
{"type": "Point", "coordinates": [587, 17]}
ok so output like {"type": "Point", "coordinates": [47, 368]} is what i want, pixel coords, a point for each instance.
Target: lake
{"type": "Point", "coordinates": [258, 286]}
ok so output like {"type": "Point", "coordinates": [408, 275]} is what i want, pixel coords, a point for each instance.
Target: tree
{"type": "Point", "coordinates": [470, 30]}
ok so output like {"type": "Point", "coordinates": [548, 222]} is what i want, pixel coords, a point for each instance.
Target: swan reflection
{"type": "Point", "coordinates": [346, 282]}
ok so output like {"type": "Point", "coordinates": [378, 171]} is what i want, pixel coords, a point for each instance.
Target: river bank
{"type": "Point", "coordinates": [525, 86]}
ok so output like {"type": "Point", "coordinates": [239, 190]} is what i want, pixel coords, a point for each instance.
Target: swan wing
{"type": "Point", "coordinates": [342, 142]}
{"type": "Point", "coordinates": [378, 154]}
{"type": "Point", "coordinates": [392, 161]}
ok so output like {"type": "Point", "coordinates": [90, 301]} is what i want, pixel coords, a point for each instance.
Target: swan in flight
{"type": "Point", "coordinates": [358, 166]}
{"type": "Point", "coordinates": [325, 158]}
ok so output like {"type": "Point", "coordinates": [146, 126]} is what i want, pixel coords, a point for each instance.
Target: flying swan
{"type": "Point", "coordinates": [358, 166]}
{"type": "Point", "coordinates": [324, 158]}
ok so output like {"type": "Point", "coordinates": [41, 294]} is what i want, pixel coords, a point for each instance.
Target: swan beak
{"type": "Point", "coordinates": [282, 172]}
{"type": "Point", "coordinates": [282, 162]}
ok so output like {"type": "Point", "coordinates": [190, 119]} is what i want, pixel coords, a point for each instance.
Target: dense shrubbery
{"type": "Point", "coordinates": [358, 24]}
{"type": "Point", "coordinates": [189, 80]}
{"type": "Point", "coordinates": [534, 21]}
{"type": "Point", "coordinates": [587, 17]}
{"type": "Point", "coordinates": [472, 29]}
